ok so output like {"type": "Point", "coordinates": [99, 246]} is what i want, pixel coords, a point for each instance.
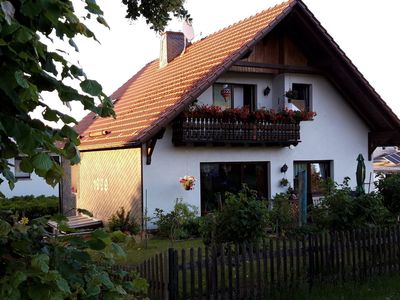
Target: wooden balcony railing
{"type": "Point", "coordinates": [218, 131]}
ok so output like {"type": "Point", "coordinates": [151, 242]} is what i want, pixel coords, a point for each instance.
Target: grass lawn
{"type": "Point", "coordinates": [137, 252]}
{"type": "Point", "coordinates": [379, 288]}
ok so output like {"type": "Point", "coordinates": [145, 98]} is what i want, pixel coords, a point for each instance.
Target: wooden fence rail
{"type": "Point", "coordinates": [251, 271]}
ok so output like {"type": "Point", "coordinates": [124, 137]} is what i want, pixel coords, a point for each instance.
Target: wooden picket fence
{"type": "Point", "coordinates": [251, 271]}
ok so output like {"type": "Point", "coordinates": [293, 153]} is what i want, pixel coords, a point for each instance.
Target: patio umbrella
{"type": "Point", "coordinates": [360, 175]}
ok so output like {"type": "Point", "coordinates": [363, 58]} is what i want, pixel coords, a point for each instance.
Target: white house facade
{"type": "Point", "coordinates": [336, 136]}
{"type": "Point", "coordinates": [236, 107]}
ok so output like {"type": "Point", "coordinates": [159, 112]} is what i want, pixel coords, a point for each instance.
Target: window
{"type": "Point", "coordinates": [303, 97]}
{"type": "Point", "coordinates": [19, 174]}
{"type": "Point", "coordinates": [308, 179]}
{"type": "Point", "coordinates": [218, 178]}
{"type": "Point", "coordinates": [236, 95]}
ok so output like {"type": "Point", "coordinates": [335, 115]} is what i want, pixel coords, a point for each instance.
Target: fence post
{"type": "Point", "coordinates": [172, 274]}
{"type": "Point", "coordinates": [311, 262]}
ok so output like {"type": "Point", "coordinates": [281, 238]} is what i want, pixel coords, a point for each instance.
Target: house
{"type": "Point", "coordinates": [386, 160]}
{"type": "Point", "coordinates": [280, 58]}
{"type": "Point", "coordinates": [27, 183]}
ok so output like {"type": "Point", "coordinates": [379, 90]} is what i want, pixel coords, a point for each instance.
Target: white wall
{"type": "Point", "coordinates": [336, 133]}
{"type": "Point", "coordinates": [34, 186]}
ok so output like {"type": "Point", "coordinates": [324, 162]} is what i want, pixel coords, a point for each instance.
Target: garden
{"type": "Point", "coordinates": [249, 247]}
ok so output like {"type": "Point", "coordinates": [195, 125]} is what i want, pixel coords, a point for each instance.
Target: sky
{"type": "Point", "coordinates": [367, 31]}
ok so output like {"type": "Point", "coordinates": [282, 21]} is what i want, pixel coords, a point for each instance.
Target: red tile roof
{"type": "Point", "coordinates": [154, 96]}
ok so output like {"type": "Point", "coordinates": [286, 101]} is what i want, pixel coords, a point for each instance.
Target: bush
{"type": "Point", "coordinates": [283, 215]}
{"type": "Point", "coordinates": [389, 187]}
{"type": "Point", "coordinates": [342, 209]}
{"type": "Point", "coordinates": [243, 218]}
{"type": "Point", "coordinates": [29, 206]}
{"type": "Point", "coordinates": [125, 222]}
{"type": "Point", "coordinates": [32, 267]}
{"type": "Point", "coordinates": [181, 223]}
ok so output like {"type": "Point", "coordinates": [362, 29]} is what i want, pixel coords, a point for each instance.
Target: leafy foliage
{"type": "Point", "coordinates": [283, 216]}
{"type": "Point", "coordinates": [389, 187]}
{"type": "Point", "coordinates": [125, 222]}
{"type": "Point", "coordinates": [33, 267]}
{"type": "Point", "coordinates": [30, 67]}
{"type": "Point", "coordinates": [243, 217]}
{"type": "Point", "coordinates": [181, 223]}
{"type": "Point", "coordinates": [342, 209]}
{"type": "Point", "coordinates": [29, 206]}
{"type": "Point", "coordinates": [156, 12]}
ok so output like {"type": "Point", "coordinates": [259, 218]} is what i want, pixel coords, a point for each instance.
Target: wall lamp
{"type": "Point", "coordinates": [267, 90]}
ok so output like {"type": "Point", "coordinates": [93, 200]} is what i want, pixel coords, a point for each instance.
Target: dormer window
{"type": "Point", "coordinates": [235, 95]}
{"type": "Point", "coordinates": [302, 99]}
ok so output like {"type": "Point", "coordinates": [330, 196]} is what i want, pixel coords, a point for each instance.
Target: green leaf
{"type": "Point", "coordinates": [5, 228]}
{"type": "Point", "coordinates": [62, 284]}
{"type": "Point", "coordinates": [70, 133]}
{"type": "Point", "coordinates": [105, 280]}
{"type": "Point", "coordinates": [41, 262]}
{"type": "Point", "coordinates": [102, 21]}
{"type": "Point", "coordinates": [50, 115]}
{"type": "Point", "coordinates": [20, 78]}
{"type": "Point", "coordinates": [23, 35]}
{"type": "Point", "coordinates": [96, 244]}
{"type": "Point", "coordinates": [26, 165]}
{"type": "Point", "coordinates": [10, 178]}
{"type": "Point", "coordinates": [42, 161]}
{"type": "Point", "coordinates": [92, 87]}
{"type": "Point", "coordinates": [31, 8]}
{"type": "Point", "coordinates": [72, 43]}
{"type": "Point", "coordinates": [118, 251]}
{"type": "Point", "coordinates": [68, 119]}
{"type": "Point", "coordinates": [93, 7]}
{"type": "Point", "coordinates": [17, 278]}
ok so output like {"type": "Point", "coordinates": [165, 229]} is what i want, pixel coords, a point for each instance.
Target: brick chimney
{"type": "Point", "coordinates": [171, 45]}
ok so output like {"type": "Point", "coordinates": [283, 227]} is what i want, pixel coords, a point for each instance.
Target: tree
{"type": "Point", "coordinates": [28, 68]}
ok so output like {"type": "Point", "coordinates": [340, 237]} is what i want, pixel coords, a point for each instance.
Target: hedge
{"type": "Point", "coordinates": [29, 206]}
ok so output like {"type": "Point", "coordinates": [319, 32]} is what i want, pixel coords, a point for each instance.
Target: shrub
{"type": "Point", "coordinates": [29, 206]}
{"type": "Point", "coordinates": [125, 222]}
{"type": "Point", "coordinates": [283, 215]}
{"type": "Point", "coordinates": [243, 217]}
{"type": "Point", "coordinates": [181, 223]}
{"type": "Point", "coordinates": [32, 267]}
{"type": "Point", "coordinates": [342, 209]}
{"type": "Point", "coordinates": [389, 187]}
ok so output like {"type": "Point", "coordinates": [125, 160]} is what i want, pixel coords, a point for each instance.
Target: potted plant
{"type": "Point", "coordinates": [187, 182]}
{"type": "Point", "coordinates": [284, 182]}
{"type": "Point", "coordinates": [291, 94]}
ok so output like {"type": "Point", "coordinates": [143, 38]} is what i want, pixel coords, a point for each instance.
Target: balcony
{"type": "Point", "coordinates": [217, 131]}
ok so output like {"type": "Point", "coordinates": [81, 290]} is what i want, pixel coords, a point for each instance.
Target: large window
{"type": "Point", "coordinates": [234, 95]}
{"type": "Point", "coordinates": [302, 101]}
{"type": "Point", "coordinates": [218, 178]}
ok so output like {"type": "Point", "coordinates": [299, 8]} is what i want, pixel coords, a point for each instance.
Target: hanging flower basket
{"type": "Point", "coordinates": [187, 182]}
